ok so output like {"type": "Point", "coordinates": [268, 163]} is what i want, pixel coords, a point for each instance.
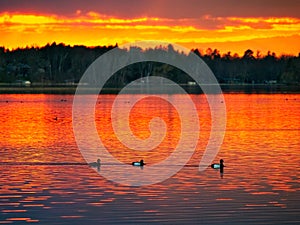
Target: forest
{"type": "Point", "coordinates": [62, 64]}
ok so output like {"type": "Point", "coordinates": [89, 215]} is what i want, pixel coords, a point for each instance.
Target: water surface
{"type": "Point", "coordinates": [44, 178]}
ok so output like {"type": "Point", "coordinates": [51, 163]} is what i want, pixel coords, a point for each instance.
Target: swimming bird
{"type": "Point", "coordinates": [95, 164]}
{"type": "Point", "coordinates": [140, 163]}
{"type": "Point", "coordinates": [218, 165]}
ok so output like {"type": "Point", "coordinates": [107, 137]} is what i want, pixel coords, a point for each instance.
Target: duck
{"type": "Point", "coordinates": [218, 165]}
{"type": "Point", "coordinates": [95, 164]}
{"type": "Point", "coordinates": [140, 163]}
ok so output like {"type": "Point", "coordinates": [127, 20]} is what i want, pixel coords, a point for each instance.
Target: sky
{"type": "Point", "coordinates": [226, 25]}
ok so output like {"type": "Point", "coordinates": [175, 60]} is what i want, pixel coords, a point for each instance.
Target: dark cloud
{"type": "Point", "coordinates": [159, 8]}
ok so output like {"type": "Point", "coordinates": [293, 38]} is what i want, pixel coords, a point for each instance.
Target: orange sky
{"type": "Point", "coordinates": [279, 34]}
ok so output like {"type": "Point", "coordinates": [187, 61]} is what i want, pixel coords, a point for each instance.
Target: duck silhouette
{"type": "Point", "coordinates": [140, 163]}
{"type": "Point", "coordinates": [218, 165]}
{"type": "Point", "coordinates": [95, 164]}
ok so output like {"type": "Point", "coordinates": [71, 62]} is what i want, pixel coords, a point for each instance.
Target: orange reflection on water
{"type": "Point", "coordinates": [140, 117]}
{"type": "Point", "coordinates": [260, 150]}
{"type": "Point", "coordinates": [36, 128]}
{"type": "Point", "coordinates": [24, 123]}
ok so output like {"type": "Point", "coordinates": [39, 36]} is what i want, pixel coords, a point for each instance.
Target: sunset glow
{"type": "Point", "coordinates": [235, 34]}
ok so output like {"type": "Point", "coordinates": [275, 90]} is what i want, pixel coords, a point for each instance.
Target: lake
{"type": "Point", "coordinates": [44, 178]}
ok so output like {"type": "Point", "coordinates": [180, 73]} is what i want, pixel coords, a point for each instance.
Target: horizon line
{"type": "Point", "coordinates": [258, 53]}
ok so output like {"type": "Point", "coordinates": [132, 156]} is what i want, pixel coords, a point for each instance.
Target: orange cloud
{"type": "Point", "coordinates": [20, 30]}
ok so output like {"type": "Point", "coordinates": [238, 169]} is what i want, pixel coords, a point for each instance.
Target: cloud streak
{"type": "Point", "coordinates": [92, 28]}
{"type": "Point", "coordinates": [206, 22]}
{"type": "Point", "coordinates": [173, 9]}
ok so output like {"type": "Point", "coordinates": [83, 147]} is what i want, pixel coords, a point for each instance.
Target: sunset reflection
{"type": "Point", "coordinates": [260, 150]}
{"type": "Point", "coordinates": [34, 126]}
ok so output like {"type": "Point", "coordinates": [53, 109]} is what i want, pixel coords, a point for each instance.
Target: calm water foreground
{"type": "Point", "coordinates": [45, 180]}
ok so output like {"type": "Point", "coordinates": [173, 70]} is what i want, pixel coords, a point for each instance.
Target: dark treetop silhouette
{"type": "Point", "coordinates": [60, 63]}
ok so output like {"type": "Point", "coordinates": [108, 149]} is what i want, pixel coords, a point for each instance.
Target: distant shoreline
{"type": "Point", "coordinates": [226, 88]}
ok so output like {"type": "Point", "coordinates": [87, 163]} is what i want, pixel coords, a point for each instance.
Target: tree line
{"type": "Point", "coordinates": [60, 63]}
